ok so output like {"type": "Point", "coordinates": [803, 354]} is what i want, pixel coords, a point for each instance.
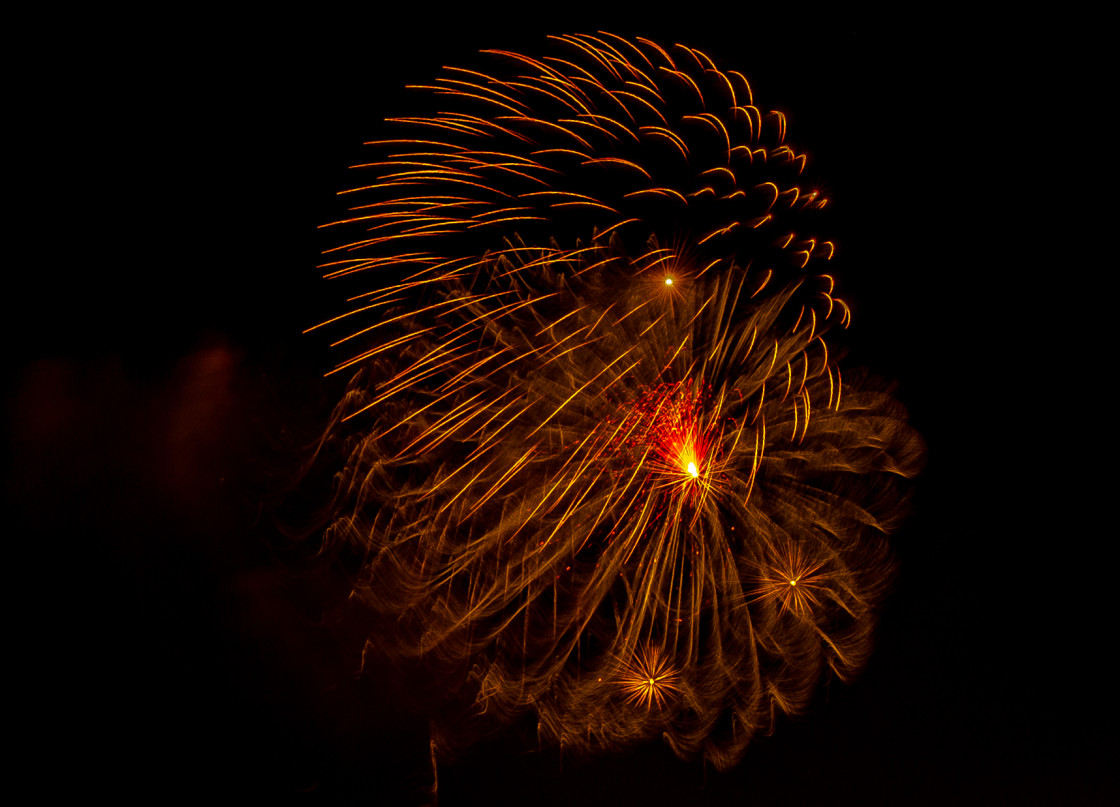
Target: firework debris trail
{"type": "Point", "coordinates": [608, 464]}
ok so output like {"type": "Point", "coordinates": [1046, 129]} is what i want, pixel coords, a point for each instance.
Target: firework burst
{"type": "Point", "coordinates": [622, 481]}
{"type": "Point", "coordinates": [649, 679]}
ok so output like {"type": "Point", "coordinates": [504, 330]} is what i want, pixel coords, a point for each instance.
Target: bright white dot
{"type": "Point", "coordinates": [668, 281]}
{"type": "Point", "coordinates": [692, 470]}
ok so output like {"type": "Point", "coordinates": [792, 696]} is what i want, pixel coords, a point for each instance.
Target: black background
{"type": "Point", "coordinates": [160, 386]}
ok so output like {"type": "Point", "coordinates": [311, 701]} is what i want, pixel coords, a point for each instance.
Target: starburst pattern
{"type": "Point", "coordinates": [620, 434]}
{"type": "Point", "coordinates": [649, 680]}
{"type": "Point", "coordinates": [794, 580]}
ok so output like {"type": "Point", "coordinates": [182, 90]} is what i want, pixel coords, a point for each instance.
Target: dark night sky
{"type": "Point", "coordinates": [163, 382]}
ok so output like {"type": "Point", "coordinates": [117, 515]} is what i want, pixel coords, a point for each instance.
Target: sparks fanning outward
{"type": "Point", "coordinates": [609, 465]}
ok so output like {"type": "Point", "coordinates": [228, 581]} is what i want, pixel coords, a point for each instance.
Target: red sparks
{"type": "Point", "coordinates": [668, 430]}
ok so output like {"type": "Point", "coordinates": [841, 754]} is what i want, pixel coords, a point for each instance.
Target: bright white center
{"type": "Point", "coordinates": [692, 470]}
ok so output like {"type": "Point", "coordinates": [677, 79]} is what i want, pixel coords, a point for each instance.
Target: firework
{"type": "Point", "coordinates": [609, 464]}
{"type": "Point", "coordinates": [649, 679]}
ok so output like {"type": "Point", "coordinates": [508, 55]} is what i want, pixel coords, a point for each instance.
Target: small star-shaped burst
{"type": "Point", "coordinates": [795, 580]}
{"type": "Point", "coordinates": [649, 679]}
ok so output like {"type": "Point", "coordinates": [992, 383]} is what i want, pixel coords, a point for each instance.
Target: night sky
{"type": "Point", "coordinates": [161, 393]}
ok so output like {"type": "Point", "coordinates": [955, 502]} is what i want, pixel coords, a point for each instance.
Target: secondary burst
{"type": "Point", "coordinates": [649, 680]}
